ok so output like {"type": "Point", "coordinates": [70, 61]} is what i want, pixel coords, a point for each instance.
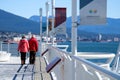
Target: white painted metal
{"type": "Point", "coordinates": [62, 47]}
{"type": "Point", "coordinates": [53, 15]}
{"type": "Point", "coordinates": [1, 46]}
{"type": "Point", "coordinates": [47, 19]}
{"type": "Point", "coordinates": [74, 37]}
{"type": "Point", "coordinates": [98, 55]}
{"type": "Point", "coordinates": [85, 70]}
{"type": "Point", "coordinates": [8, 47]}
{"type": "Point", "coordinates": [4, 55]}
{"type": "Point", "coordinates": [116, 61]}
{"type": "Point", "coordinates": [40, 11]}
{"type": "Point", "coordinates": [74, 27]}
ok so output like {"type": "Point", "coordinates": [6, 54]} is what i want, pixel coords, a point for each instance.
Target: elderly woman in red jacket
{"type": "Point", "coordinates": [33, 43]}
{"type": "Point", "coordinates": [23, 48]}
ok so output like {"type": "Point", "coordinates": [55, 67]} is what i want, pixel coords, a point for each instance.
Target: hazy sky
{"type": "Point", "coordinates": [27, 8]}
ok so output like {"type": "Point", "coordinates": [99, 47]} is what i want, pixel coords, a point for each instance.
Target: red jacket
{"type": "Point", "coordinates": [33, 43]}
{"type": "Point", "coordinates": [23, 45]}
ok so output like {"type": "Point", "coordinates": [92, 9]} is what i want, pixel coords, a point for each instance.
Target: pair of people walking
{"type": "Point", "coordinates": [30, 46]}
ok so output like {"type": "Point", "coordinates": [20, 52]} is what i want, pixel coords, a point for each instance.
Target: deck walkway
{"type": "Point", "coordinates": [12, 70]}
{"type": "Point", "coordinates": [40, 72]}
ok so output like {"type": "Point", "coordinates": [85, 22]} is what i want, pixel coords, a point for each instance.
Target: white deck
{"type": "Point", "coordinates": [12, 70]}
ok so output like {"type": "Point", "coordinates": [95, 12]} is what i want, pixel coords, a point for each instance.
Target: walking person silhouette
{"type": "Point", "coordinates": [23, 48]}
{"type": "Point", "coordinates": [33, 44]}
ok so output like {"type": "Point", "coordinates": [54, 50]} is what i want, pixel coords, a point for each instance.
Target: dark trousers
{"type": "Point", "coordinates": [23, 57]}
{"type": "Point", "coordinates": [32, 57]}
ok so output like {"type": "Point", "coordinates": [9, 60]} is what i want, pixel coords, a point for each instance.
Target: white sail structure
{"type": "Point", "coordinates": [59, 22]}
{"type": "Point", "coordinates": [93, 12]}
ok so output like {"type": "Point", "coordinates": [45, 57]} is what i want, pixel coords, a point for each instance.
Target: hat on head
{"type": "Point", "coordinates": [23, 36]}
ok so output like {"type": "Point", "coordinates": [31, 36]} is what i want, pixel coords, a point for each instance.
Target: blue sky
{"type": "Point", "coordinates": [27, 8]}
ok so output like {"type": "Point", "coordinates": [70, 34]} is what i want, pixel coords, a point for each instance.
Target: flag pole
{"type": "Point", "coordinates": [74, 36]}
{"type": "Point", "coordinates": [74, 27]}
{"type": "Point", "coordinates": [40, 11]}
{"type": "Point", "coordinates": [47, 17]}
{"type": "Point", "coordinates": [53, 10]}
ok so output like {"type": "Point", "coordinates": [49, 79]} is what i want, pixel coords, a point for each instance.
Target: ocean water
{"type": "Point", "coordinates": [110, 47]}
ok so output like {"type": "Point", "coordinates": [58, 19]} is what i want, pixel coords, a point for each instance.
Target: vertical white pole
{"type": "Point", "coordinates": [53, 10]}
{"type": "Point", "coordinates": [74, 35]}
{"type": "Point", "coordinates": [40, 30]}
{"type": "Point", "coordinates": [47, 15]}
{"type": "Point", "coordinates": [74, 27]}
{"type": "Point", "coordinates": [1, 46]}
{"type": "Point", "coordinates": [8, 47]}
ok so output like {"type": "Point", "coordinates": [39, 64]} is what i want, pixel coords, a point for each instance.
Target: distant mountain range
{"type": "Point", "coordinates": [112, 26]}
{"type": "Point", "coordinates": [14, 23]}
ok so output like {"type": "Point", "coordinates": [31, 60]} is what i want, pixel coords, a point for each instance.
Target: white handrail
{"type": "Point", "coordinates": [116, 63]}
{"type": "Point", "coordinates": [85, 70]}
{"type": "Point", "coordinates": [62, 47]}
{"type": "Point", "coordinates": [103, 70]}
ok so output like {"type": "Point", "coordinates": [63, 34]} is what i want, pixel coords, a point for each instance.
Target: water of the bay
{"type": "Point", "coordinates": [109, 47]}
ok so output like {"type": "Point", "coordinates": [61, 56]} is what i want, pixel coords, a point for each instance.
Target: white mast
{"type": "Point", "coordinates": [74, 27]}
{"type": "Point", "coordinates": [41, 23]}
{"type": "Point", "coordinates": [40, 30]}
{"type": "Point", "coordinates": [74, 35]}
{"type": "Point", "coordinates": [53, 10]}
{"type": "Point", "coordinates": [47, 15]}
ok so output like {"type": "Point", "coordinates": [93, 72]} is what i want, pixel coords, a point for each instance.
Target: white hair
{"type": "Point", "coordinates": [33, 35]}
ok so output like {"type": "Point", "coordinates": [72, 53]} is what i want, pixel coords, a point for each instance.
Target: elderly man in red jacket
{"type": "Point", "coordinates": [33, 48]}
